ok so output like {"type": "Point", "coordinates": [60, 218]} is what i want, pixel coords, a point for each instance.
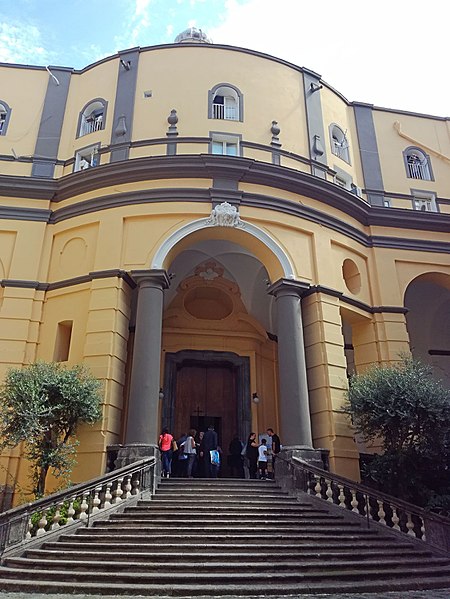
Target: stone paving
{"type": "Point", "coordinates": [429, 594]}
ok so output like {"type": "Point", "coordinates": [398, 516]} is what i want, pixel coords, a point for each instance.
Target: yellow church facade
{"type": "Point", "coordinates": [220, 236]}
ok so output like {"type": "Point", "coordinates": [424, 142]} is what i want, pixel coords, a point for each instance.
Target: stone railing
{"type": "Point", "coordinates": [373, 505]}
{"type": "Point", "coordinates": [76, 506]}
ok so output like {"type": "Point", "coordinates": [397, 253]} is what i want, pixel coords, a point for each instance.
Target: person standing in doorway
{"type": "Point", "coordinates": [251, 454]}
{"type": "Point", "coordinates": [190, 450]}
{"type": "Point", "coordinates": [262, 459]}
{"type": "Point", "coordinates": [276, 447]}
{"type": "Point", "coordinates": [209, 442]}
{"type": "Point", "coordinates": [236, 459]}
{"type": "Point", "coordinates": [166, 444]}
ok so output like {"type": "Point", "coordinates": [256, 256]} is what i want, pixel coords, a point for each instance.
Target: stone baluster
{"type": "Point", "coordinates": [341, 497]}
{"type": "Point", "coordinates": [354, 502]}
{"type": "Point", "coordinates": [329, 491]}
{"type": "Point", "coordinates": [108, 496]}
{"type": "Point", "coordinates": [29, 528]}
{"type": "Point", "coordinates": [410, 526]}
{"type": "Point", "coordinates": [127, 487]}
{"type": "Point", "coordinates": [71, 511]}
{"type": "Point", "coordinates": [422, 529]}
{"type": "Point", "coordinates": [318, 488]}
{"type": "Point", "coordinates": [118, 492]}
{"type": "Point", "coordinates": [381, 512]}
{"type": "Point", "coordinates": [136, 484]}
{"type": "Point", "coordinates": [395, 519]}
{"type": "Point", "coordinates": [57, 517]}
{"type": "Point", "coordinates": [96, 501]}
{"type": "Point", "coordinates": [42, 524]}
{"type": "Point", "coordinates": [84, 507]}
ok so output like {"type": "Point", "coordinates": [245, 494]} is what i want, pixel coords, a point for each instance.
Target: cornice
{"type": "Point", "coordinates": [133, 278]}
{"type": "Point", "coordinates": [214, 167]}
{"type": "Point", "coordinates": [28, 187]}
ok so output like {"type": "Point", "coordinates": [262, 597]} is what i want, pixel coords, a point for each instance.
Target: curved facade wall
{"type": "Point", "coordinates": [300, 194]}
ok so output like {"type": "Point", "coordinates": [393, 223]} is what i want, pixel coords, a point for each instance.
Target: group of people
{"type": "Point", "coordinates": [199, 455]}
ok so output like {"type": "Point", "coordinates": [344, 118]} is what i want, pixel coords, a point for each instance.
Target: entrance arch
{"type": "Point", "coordinates": [264, 245]}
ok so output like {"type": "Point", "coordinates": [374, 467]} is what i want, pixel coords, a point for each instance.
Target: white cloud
{"type": "Point", "coordinates": [22, 44]}
{"type": "Point", "coordinates": [386, 53]}
{"type": "Point", "coordinates": [135, 25]}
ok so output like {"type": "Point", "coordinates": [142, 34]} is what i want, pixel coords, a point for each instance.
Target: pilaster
{"type": "Point", "coordinates": [327, 382]}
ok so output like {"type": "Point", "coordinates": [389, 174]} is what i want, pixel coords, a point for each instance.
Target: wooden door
{"type": "Point", "coordinates": [206, 393]}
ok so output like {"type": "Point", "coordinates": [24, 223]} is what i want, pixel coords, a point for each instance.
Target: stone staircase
{"type": "Point", "coordinates": [227, 537]}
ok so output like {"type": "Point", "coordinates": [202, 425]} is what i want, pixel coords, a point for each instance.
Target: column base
{"type": "Point", "coordinates": [133, 452]}
{"type": "Point", "coordinates": [309, 455]}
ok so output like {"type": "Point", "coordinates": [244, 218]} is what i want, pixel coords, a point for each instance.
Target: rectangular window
{"type": "Point", "coordinates": [424, 201]}
{"type": "Point", "coordinates": [62, 343]}
{"type": "Point", "coordinates": [226, 145]}
{"type": "Point", "coordinates": [87, 158]}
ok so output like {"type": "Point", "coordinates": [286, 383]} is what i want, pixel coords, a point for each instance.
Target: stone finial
{"type": "Point", "coordinates": [172, 119]}
{"type": "Point", "coordinates": [275, 130]}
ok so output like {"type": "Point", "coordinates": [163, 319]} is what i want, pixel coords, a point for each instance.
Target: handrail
{"type": "Point", "coordinates": [373, 505]}
{"type": "Point", "coordinates": [76, 504]}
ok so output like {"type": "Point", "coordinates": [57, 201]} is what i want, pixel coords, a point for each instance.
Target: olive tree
{"type": "Point", "coordinates": [408, 411]}
{"type": "Point", "coordinates": [41, 405]}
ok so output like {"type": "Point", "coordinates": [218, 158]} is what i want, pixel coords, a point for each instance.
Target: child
{"type": "Point", "coordinates": [262, 459]}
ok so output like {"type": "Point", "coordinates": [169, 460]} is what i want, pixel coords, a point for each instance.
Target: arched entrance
{"type": "Point", "coordinates": [236, 292]}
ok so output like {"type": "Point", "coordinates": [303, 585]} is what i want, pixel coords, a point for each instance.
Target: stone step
{"type": "Point", "coordinates": [200, 532]}
{"type": "Point", "coordinates": [237, 539]}
{"type": "Point", "coordinates": [268, 589]}
{"type": "Point", "coordinates": [250, 577]}
{"type": "Point", "coordinates": [148, 553]}
{"type": "Point", "coordinates": [151, 516]}
{"type": "Point", "coordinates": [219, 523]}
{"type": "Point", "coordinates": [186, 563]}
{"type": "Point", "coordinates": [362, 545]}
{"type": "Point", "coordinates": [196, 502]}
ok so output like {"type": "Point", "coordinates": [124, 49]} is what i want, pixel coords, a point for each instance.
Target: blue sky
{"type": "Point", "coordinates": [390, 53]}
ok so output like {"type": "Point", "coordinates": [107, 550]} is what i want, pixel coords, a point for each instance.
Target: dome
{"type": "Point", "coordinates": [193, 35]}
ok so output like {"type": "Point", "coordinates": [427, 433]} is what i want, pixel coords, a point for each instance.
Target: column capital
{"type": "Point", "coordinates": [155, 277]}
{"type": "Point", "coordinates": [288, 287]}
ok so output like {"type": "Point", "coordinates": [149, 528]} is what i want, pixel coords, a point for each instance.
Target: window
{"type": "Point", "coordinates": [92, 117]}
{"type": "Point", "coordinates": [62, 345]}
{"type": "Point", "coordinates": [424, 201]}
{"type": "Point", "coordinates": [344, 180]}
{"type": "Point", "coordinates": [417, 164]}
{"type": "Point", "coordinates": [225, 103]}
{"type": "Point", "coordinates": [5, 112]}
{"type": "Point", "coordinates": [339, 143]}
{"type": "Point", "coordinates": [87, 158]}
{"type": "Point", "coordinates": [227, 145]}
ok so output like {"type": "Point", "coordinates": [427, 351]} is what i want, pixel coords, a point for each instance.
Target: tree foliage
{"type": "Point", "coordinates": [42, 405]}
{"type": "Point", "coordinates": [409, 412]}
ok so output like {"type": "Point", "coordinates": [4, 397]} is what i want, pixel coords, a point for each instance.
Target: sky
{"type": "Point", "coordinates": [390, 53]}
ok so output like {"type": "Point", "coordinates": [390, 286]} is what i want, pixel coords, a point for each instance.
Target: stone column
{"type": "Point", "coordinates": [142, 422]}
{"type": "Point", "coordinates": [295, 417]}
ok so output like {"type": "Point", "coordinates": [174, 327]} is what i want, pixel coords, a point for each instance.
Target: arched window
{"type": "Point", "coordinates": [92, 117]}
{"type": "Point", "coordinates": [5, 112]}
{"type": "Point", "coordinates": [339, 143]}
{"type": "Point", "coordinates": [417, 164]}
{"type": "Point", "coordinates": [225, 103]}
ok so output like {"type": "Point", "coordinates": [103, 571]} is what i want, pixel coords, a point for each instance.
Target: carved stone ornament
{"type": "Point", "coordinates": [225, 215]}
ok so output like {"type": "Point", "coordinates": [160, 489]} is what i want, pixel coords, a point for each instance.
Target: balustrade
{"type": "Point", "coordinates": [373, 505]}
{"type": "Point", "coordinates": [76, 505]}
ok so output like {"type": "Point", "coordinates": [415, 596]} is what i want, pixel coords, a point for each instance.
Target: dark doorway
{"type": "Point", "coordinates": [206, 393]}
{"type": "Point", "coordinates": [207, 387]}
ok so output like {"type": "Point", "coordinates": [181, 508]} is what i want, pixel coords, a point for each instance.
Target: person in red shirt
{"type": "Point", "coordinates": [165, 444]}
